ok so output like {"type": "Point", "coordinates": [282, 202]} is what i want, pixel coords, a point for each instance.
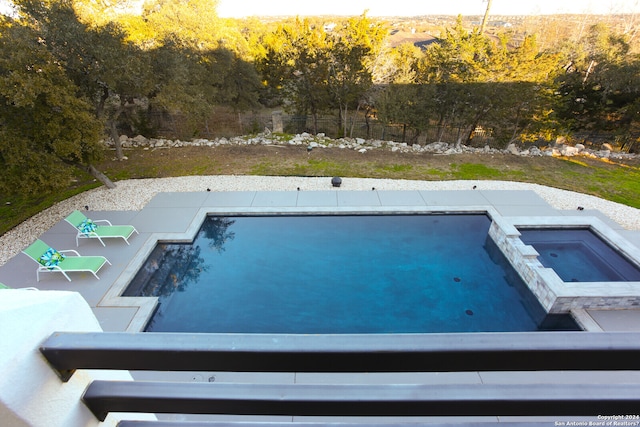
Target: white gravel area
{"type": "Point", "coordinates": [135, 194]}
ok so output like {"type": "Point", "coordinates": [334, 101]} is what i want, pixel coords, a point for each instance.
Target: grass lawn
{"type": "Point", "coordinates": [612, 181]}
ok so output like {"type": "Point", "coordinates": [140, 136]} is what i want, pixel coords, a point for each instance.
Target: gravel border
{"type": "Point", "coordinates": [134, 194]}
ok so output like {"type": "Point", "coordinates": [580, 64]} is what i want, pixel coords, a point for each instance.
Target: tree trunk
{"type": "Point", "coordinates": [353, 122]}
{"type": "Point", "coordinates": [586, 75]}
{"type": "Point", "coordinates": [367, 123]}
{"type": "Point", "coordinates": [441, 128]}
{"type": "Point", "coordinates": [206, 127]}
{"type": "Point", "coordinates": [113, 130]}
{"type": "Point", "coordinates": [91, 170]}
{"type": "Point", "coordinates": [485, 19]}
{"type": "Point", "coordinates": [344, 124]}
{"type": "Point", "coordinates": [514, 135]}
{"type": "Point", "coordinates": [346, 121]}
{"type": "Point", "coordinates": [315, 123]}
{"type": "Point", "coordinates": [102, 102]}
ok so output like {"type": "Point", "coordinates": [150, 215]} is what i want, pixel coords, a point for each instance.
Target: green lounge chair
{"type": "Point", "coordinates": [3, 286]}
{"type": "Point", "coordinates": [89, 229]}
{"type": "Point", "coordinates": [50, 260]}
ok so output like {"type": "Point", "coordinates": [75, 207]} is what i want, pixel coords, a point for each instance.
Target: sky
{"type": "Point", "coordinates": [240, 8]}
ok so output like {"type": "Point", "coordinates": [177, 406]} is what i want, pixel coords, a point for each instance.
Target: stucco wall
{"type": "Point", "coordinates": [31, 394]}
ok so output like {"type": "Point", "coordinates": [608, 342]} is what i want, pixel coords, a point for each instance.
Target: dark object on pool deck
{"type": "Point", "coordinates": [336, 181]}
{"type": "Point", "coordinates": [580, 208]}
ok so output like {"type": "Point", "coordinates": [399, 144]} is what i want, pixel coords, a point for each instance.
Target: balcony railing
{"type": "Point", "coordinates": [542, 351]}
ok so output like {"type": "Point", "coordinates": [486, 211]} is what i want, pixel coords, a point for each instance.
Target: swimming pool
{"type": "Point", "coordinates": [332, 274]}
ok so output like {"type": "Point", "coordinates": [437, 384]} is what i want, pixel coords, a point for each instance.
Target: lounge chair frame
{"type": "Point", "coordinates": [107, 231]}
{"type": "Point", "coordinates": [42, 247]}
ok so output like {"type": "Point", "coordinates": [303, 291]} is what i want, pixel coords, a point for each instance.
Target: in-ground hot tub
{"type": "Point", "coordinates": [579, 255]}
{"type": "Point", "coordinates": [596, 268]}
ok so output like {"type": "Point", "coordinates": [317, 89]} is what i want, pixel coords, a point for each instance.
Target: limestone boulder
{"type": "Point", "coordinates": [512, 149]}
{"type": "Point", "coordinates": [569, 151]}
{"type": "Point", "coordinates": [140, 140]}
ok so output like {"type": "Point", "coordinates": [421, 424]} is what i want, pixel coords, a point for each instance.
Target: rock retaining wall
{"type": "Point", "coordinates": [361, 145]}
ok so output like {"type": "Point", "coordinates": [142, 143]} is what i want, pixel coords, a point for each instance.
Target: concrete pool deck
{"type": "Point", "coordinates": [172, 216]}
{"type": "Point", "coordinates": [177, 216]}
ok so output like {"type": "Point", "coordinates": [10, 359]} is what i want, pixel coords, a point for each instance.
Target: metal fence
{"type": "Point", "coordinates": [228, 124]}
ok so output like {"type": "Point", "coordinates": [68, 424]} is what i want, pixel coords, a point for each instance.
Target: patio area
{"type": "Point", "coordinates": [178, 216]}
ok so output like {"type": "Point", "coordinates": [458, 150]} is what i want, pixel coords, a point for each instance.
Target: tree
{"type": "Point", "coordinates": [353, 51]}
{"type": "Point", "coordinates": [600, 86]}
{"type": "Point", "coordinates": [191, 83]}
{"type": "Point", "coordinates": [196, 59]}
{"type": "Point", "coordinates": [400, 67]}
{"type": "Point", "coordinates": [493, 84]}
{"type": "Point", "coordinates": [194, 22]}
{"type": "Point", "coordinates": [410, 105]}
{"type": "Point", "coordinates": [98, 13]}
{"type": "Point", "coordinates": [455, 65]}
{"type": "Point", "coordinates": [525, 94]}
{"type": "Point", "coordinates": [296, 65]}
{"type": "Point", "coordinates": [458, 56]}
{"type": "Point", "coordinates": [348, 78]}
{"type": "Point", "coordinates": [45, 125]}
{"type": "Point", "coordinates": [315, 69]}
{"type": "Point", "coordinates": [239, 86]}
{"type": "Point", "coordinates": [110, 73]}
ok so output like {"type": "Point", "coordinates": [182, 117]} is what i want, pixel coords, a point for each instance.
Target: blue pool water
{"type": "Point", "coordinates": [338, 274]}
{"type": "Point", "coordinates": [578, 255]}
